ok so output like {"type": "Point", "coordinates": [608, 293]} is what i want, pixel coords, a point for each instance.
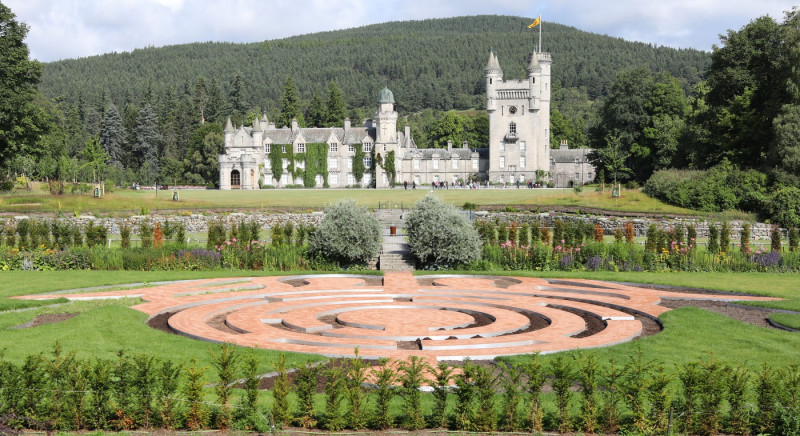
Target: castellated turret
{"type": "Point", "coordinates": [519, 120]}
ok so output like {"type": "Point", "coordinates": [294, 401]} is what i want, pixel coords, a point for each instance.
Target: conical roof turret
{"type": "Point", "coordinates": [256, 125]}
{"type": "Point", "coordinates": [493, 65]}
{"type": "Point", "coordinates": [533, 65]}
{"type": "Point", "coordinates": [229, 125]}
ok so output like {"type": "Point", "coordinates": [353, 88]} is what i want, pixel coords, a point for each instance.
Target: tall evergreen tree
{"type": "Point", "coordinates": [113, 135]}
{"type": "Point", "coordinates": [215, 106]}
{"type": "Point", "coordinates": [201, 99]}
{"type": "Point", "coordinates": [20, 123]}
{"type": "Point", "coordinates": [236, 97]}
{"type": "Point", "coordinates": [336, 109]}
{"type": "Point", "coordinates": [148, 143]}
{"type": "Point", "coordinates": [290, 105]}
{"type": "Point", "coordinates": [316, 115]}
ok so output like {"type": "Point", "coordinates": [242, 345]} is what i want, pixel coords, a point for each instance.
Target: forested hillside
{"type": "Point", "coordinates": [428, 64]}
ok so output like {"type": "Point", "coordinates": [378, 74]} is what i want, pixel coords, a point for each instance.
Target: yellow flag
{"type": "Point", "coordinates": [535, 22]}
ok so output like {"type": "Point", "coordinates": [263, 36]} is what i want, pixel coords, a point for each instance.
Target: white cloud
{"type": "Point", "coordinates": [76, 28]}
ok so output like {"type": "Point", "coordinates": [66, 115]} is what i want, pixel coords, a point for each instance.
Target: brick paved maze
{"type": "Point", "coordinates": [435, 317]}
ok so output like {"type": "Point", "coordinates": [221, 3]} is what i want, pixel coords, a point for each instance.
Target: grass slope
{"type": "Point", "coordinates": [303, 199]}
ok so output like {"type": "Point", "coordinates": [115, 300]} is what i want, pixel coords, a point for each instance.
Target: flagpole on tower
{"type": "Point", "coordinates": [537, 22]}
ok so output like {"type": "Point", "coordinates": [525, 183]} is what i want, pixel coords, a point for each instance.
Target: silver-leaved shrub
{"type": "Point", "coordinates": [440, 236]}
{"type": "Point", "coordinates": [348, 234]}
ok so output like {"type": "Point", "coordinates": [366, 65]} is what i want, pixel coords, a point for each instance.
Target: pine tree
{"type": "Point", "coordinates": [148, 143]}
{"type": "Point", "coordinates": [316, 115]}
{"type": "Point", "coordinates": [236, 97]}
{"type": "Point", "coordinates": [113, 135]}
{"type": "Point", "coordinates": [336, 109]}
{"type": "Point", "coordinates": [290, 105]}
{"type": "Point", "coordinates": [201, 98]}
{"type": "Point", "coordinates": [215, 106]}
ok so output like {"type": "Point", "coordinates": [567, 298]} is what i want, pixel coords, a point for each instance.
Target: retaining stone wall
{"type": "Point", "coordinates": [758, 231]}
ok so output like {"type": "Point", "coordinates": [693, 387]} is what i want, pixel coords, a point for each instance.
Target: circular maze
{"type": "Point", "coordinates": [442, 317]}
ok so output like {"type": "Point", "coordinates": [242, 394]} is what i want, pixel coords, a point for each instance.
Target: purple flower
{"type": "Point", "coordinates": [566, 261]}
{"type": "Point", "coordinates": [594, 263]}
{"type": "Point", "coordinates": [767, 260]}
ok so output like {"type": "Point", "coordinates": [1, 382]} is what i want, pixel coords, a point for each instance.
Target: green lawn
{"type": "Point", "coordinates": [131, 202]}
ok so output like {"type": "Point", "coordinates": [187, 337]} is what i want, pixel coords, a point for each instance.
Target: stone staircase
{"type": "Point", "coordinates": [394, 253]}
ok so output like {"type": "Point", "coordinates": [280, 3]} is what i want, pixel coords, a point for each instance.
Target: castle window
{"type": "Point", "coordinates": [416, 164]}
{"type": "Point", "coordinates": [301, 148]}
{"type": "Point", "coordinates": [502, 161]}
{"type": "Point", "coordinates": [334, 146]}
{"type": "Point", "coordinates": [333, 179]}
{"type": "Point", "coordinates": [351, 148]}
{"type": "Point", "coordinates": [367, 147]}
{"type": "Point", "coordinates": [350, 164]}
{"type": "Point", "coordinates": [522, 161]}
{"type": "Point", "coordinates": [267, 148]}
{"type": "Point", "coordinates": [333, 163]}
{"type": "Point", "coordinates": [367, 162]}
{"type": "Point", "coordinates": [285, 163]}
{"type": "Point", "coordinates": [512, 128]}
{"type": "Point", "coordinates": [474, 164]}
{"type": "Point", "coordinates": [545, 133]}
{"type": "Point", "coordinates": [455, 164]}
{"type": "Point", "coordinates": [502, 146]}
{"type": "Point", "coordinates": [283, 149]}
{"type": "Point", "coordinates": [523, 146]}
{"type": "Point", "coordinates": [351, 180]}
{"type": "Point", "coordinates": [435, 163]}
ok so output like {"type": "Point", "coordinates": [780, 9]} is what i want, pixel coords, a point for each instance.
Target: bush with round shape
{"type": "Point", "coordinates": [439, 236]}
{"type": "Point", "coordinates": [348, 234]}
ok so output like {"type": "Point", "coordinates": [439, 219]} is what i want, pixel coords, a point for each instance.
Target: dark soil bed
{"type": "Point", "coordinates": [47, 318]}
{"type": "Point", "coordinates": [754, 316]}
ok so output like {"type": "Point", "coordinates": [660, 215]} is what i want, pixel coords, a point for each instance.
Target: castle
{"type": "Point", "coordinates": [518, 150]}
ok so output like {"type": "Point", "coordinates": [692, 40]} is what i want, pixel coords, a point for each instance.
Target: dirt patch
{"type": "Point", "coordinates": [47, 318]}
{"type": "Point", "coordinates": [161, 322]}
{"type": "Point", "coordinates": [754, 316]}
{"type": "Point", "coordinates": [218, 322]}
{"type": "Point", "coordinates": [296, 282]}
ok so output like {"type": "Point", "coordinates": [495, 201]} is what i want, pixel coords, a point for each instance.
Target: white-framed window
{"type": "Point", "coordinates": [367, 147]}
{"type": "Point", "coordinates": [435, 164]}
{"type": "Point", "coordinates": [502, 161]}
{"type": "Point", "coordinates": [285, 179]}
{"type": "Point", "coordinates": [577, 176]}
{"type": "Point", "coordinates": [267, 164]}
{"type": "Point", "coordinates": [454, 164]}
{"type": "Point", "coordinates": [334, 146]}
{"type": "Point", "coordinates": [333, 163]}
{"type": "Point", "coordinates": [589, 176]}
{"type": "Point", "coordinates": [512, 128]}
{"type": "Point", "coordinates": [523, 146]}
{"type": "Point", "coordinates": [474, 164]}
{"type": "Point", "coordinates": [285, 163]}
{"type": "Point", "coordinates": [267, 148]}
{"type": "Point", "coordinates": [351, 180]}
{"type": "Point", "coordinates": [522, 161]}
{"type": "Point", "coordinates": [333, 179]}
{"type": "Point", "coordinates": [367, 179]}
{"type": "Point", "coordinates": [502, 146]}
{"type": "Point", "coordinates": [367, 162]}
{"type": "Point", "coordinates": [416, 164]}
{"type": "Point", "coordinates": [349, 164]}
{"type": "Point", "coordinates": [301, 147]}
{"type": "Point", "coordinates": [351, 148]}
{"type": "Point", "coordinates": [546, 133]}
{"type": "Point", "coordinates": [283, 148]}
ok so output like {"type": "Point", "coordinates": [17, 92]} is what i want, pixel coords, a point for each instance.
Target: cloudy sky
{"type": "Point", "coordinates": [61, 29]}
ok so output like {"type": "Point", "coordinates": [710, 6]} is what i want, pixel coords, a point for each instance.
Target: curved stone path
{"type": "Point", "coordinates": [441, 317]}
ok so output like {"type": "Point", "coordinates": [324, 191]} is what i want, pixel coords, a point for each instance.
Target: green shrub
{"type": "Point", "coordinates": [784, 206]}
{"type": "Point", "coordinates": [439, 236]}
{"type": "Point", "coordinates": [216, 234]}
{"type": "Point", "coordinates": [348, 234]}
{"type": "Point", "coordinates": [124, 235]}
{"type": "Point", "coordinates": [725, 237]}
{"type": "Point", "coordinates": [146, 234]}
{"type": "Point", "coordinates": [794, 236]}
{"type": "Point", "coordinates": [713, 238]}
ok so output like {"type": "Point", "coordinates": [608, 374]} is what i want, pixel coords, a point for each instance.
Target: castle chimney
{"type": "Point", "coordinates": [465, 144]}
{"type": "Point", "coordinates": [347, 123]}
{"type": "Point", "coordinates": [294, 125]}
{"type": "Point", "coordinates": [564, 145]}
{"type": "Point", "coordinates": [449, 145]}
{"type": "Point", "coordinates": [408, 132]}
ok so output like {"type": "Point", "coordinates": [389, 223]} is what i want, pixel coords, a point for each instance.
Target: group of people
{"type": "Point", "coordinates": [470, 185]}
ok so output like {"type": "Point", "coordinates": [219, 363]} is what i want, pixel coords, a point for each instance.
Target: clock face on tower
{"type": "Point", "coordinates": [512, 110]}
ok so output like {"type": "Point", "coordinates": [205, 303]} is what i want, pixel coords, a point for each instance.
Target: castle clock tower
{"type": "Point", "coordinates": [519, 120]}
